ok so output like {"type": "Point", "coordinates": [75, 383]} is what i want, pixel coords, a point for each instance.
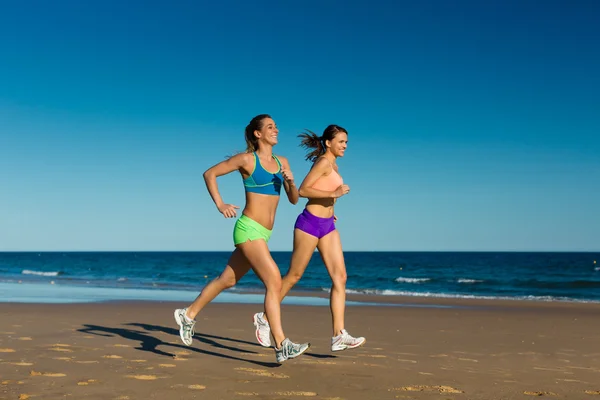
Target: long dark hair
{"type": "Point", "coordinates": [256, 124]}
{"type": "Point", "coordinates": [310, 140]}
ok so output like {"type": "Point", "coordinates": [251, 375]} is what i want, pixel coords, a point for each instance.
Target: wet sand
{"type": "Point", "coordinates": [416, 349]}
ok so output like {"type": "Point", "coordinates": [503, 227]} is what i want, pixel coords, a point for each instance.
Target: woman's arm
{"type": "Point", "coordinates": [234, 163]}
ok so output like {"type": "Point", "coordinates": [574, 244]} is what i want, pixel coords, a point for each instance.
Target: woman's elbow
{"type": "Point", "coordinates": [208, 175]}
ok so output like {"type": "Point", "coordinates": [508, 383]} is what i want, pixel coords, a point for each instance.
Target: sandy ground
{"type": "Point", "coordinates": [465, 349]}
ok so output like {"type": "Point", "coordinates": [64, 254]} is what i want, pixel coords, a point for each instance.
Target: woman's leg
{"type": "Point", "coordinates": [304, 247]}
{"type": "Point", "coordinates": [264, 266]}
{"type": "Point", "coordinates": [236, 268]}
{"type": "Point", "coordinates": [258, 255]}
{"type": "Point", "coordinates": [330, 248]}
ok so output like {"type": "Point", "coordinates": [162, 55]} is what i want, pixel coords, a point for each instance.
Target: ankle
{"type": "Point", "coordinates": [187, 316]}
{"type": "Point", "coordinates": [279, 344]}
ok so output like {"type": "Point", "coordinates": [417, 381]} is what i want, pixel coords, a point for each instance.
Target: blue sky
{"type": "Point", "coordinates": [472, 125]}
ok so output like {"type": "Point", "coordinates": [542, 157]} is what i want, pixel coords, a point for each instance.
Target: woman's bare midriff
{"type": "Point", "coordinates": [261, 208]}
{"type": "Point", "coordinates": [322, 208]}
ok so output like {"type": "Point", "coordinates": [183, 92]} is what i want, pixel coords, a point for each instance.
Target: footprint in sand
{"type": "Point", "coordinates": [468, 359]}
{"type": "Point", "coordinates": [7, 350]}
{"type": "Point", "coordinates": [61, 349]}
{"type": "Point", "coordinates": [21, 364]}
{"type": "Point", "coordinates": [167, 365]}
{"type": "Point", "coordinates": [85, 383]}
{"type": "Point", "coordinates": [193, 387]}
{"type": "Point", "coordinates": [137, 361]}
{"type": "Point", "coordinates": [303, 394]}
{"type": "Point", "coordinates": [262, 372]}
{"type": "Point", "coordinates": [143, 377]}
{"type": "Point", "coordinates": [407, 361]}
{"type": "Point", "coordinates": [87, 362]}
{"type": "Point", "coordinates": [422, 388]}
{"type": "Point", "coordinates": [112, 356]}
{"type": "Point", "coordinates": [50, 374]}
{"type": "Point", "coordinates": [593, 392]}
{"type": "Point", "coordinates": [25, 338]}
{"type": "Point", "coordinates": [121, 345]}
{"type": "Point", "coordinates": [376, 356]}
{"type": "Point", "coordinates": [246, 393]}
{"type": "Point", "coordinates": [528, 393]}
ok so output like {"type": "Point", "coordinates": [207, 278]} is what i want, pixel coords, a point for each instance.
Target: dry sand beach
{"type": "Point", "coordinates": [473, 350]}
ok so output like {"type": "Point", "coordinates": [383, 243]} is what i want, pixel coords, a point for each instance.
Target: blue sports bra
{"type": "Point", "coordinates": [262, 181]}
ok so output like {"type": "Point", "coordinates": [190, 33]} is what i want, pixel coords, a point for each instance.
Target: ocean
{"type": "Point", "coordinates": [490, 275]}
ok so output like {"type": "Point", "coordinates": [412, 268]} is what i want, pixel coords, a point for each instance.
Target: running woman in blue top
{"type": "Point", "coordinates": [264, 174]}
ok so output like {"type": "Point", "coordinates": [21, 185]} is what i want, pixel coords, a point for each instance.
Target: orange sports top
{"type": "Point", "coordinates": [329, 182]}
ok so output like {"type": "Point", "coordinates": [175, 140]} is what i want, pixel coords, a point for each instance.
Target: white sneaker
{"type": "Point", "coordinates": [186, 326]}
{"type": "Point", "coordinates": [345, 341]}
{"type": "Point", "coordinates": [290, 350]}
{"type": "Point", "coordinates": [263, 330]}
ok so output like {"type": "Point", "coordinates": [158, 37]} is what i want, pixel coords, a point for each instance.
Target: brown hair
{"type": "Point", "coordinates": [256, 124]}
{"type": "Point", "coordinates": [310, 140]}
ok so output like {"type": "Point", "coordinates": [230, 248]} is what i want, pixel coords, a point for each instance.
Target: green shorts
{"type": "Point", "coordinates": [247, 229]}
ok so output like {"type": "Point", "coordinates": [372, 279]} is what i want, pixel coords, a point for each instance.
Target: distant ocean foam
{"type": "Point", "coordinates": [412, 280]}
{"type": "Point", "coordinates": [40, 273]}
{"type": "Point", "coordinates": [459, 296]}
{"type": "Point", "coordinates": [463, 280]}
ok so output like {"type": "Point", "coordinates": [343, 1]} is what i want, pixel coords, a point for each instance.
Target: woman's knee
{"type": "Point", "coordinates": [339, 279]}
{"type": "Point", "coordinates": [293, 277]}
{"type": "Point", "coordinates": [273, 283]}
{"type": "Point", "coordinates": [227, 281]}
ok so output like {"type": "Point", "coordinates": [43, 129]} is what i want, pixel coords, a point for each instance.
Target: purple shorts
{"type": "Point", "coordinates": [313, 225]}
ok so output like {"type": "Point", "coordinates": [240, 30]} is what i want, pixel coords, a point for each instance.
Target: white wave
{"type": "Point", "coordinates": [121, 279]}
{"type": "Point", "coordinates": [464, 280]}
{"type": "Point", "coordinates": [412, 280]}
{"type": "Point", "coordinates": [387, 292]}
{"type": "Point", "coordinates": [40, 273]}
{"type": "Point", "coordinates": [597, 269]}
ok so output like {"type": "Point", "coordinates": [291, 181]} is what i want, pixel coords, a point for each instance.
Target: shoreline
{"type": "Point", "coordinates": [38, 293]}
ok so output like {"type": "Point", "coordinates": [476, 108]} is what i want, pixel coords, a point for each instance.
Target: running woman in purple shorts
{"type": "Point", "coordinates": [315, 228]}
